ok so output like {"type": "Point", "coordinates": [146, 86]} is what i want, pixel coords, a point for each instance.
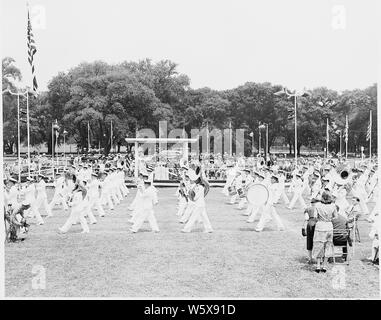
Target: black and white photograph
{"type": "Point", "coordinates": [170, 149]}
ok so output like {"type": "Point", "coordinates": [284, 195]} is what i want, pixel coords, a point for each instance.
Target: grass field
{"type": "Point", "coordinates": [234, 261]}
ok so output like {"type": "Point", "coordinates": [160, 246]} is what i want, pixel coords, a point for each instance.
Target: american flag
{"type": "Point", "coordinates": [369, 131]}
{"type": "Point", "coordinates": [290, 115]}
{"type": "Point", "coordinates": [150, 168]}
{"type": "Point", "coordinates": [346, 129]}
{"type": "Point", "coordinates": [31, 52]}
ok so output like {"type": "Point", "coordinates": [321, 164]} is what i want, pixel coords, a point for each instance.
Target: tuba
{"type": "Point", "coordinates": [343, 175]}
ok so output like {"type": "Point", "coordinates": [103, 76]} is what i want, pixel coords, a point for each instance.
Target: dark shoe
{"type": "Point", "coordinates": [317, 270]}
{"type": "Point", "coordinates": [323, 270]}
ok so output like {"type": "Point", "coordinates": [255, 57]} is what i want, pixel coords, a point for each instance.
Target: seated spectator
{"type": "Point", "coordinates": [341, 233]}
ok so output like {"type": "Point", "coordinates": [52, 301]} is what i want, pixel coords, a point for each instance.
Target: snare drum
{"type": "Point", "coordinates": [241, 193]}
{"type": "Point", "coordinates": [232, 191]}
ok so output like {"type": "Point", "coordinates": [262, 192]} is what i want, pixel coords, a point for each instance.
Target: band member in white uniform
{"type": "Point", "coordinates": [236, 184]}
{"type": "Point", "coordinates": [106, 190]}
{"type": "Point", "coordinates": [230, 175]}
{"type": "Point", "coordinates": [282, 188]}
{"type": "Point", "coordinates": [13, 193]}
{"type": "Point", "coordinates": [253, 210]}
{"type": "Point", "coordinates": [199, 209]}
{"type": "Point", "coordinates": [42, 197]}
{"type": "Point", "coordinates": [94, 195]}
{"type": "Point", "coordinates": [298, 190]}
{"type": "Point", "coordinates": [59, 193]}
{"type": "Point", "coordinates": [358, 190]}
{"type": "Point", "coordinates": [30, 197]}
{"type": "Point", "coordinates": [247, 179]}
{"type": "Point", "coordinates": [269, 211]}
{"type": "Point", "coordinates": [77, 212]}
{"type": "Point", "coordinates": [144, 209]}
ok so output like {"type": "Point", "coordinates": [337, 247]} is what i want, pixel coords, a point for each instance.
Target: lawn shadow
{"type": "Point", "coordinates": [247, 229]}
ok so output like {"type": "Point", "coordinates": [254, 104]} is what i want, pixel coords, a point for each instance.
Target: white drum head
{"type": "Point", "coordinates": [257, 194]}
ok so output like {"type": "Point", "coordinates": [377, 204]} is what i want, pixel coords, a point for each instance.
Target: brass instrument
{"type": "Point", "coordinates": [343, 175]}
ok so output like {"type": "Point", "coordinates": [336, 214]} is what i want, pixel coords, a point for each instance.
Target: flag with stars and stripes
{"type": "Point", "coordinates": [31, 52]}
{"type": "Point", "coordinates": [290, 114]}
{"type": "Point", "coordinates": [369, 131]}
{"type": "Point", "coordinates": [346, 129]}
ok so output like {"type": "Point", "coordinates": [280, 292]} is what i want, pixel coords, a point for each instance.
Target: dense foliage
{"type": "Point", "coordinates": [139, 95]}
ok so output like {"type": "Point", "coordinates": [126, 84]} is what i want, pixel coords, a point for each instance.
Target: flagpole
{"type": "Point", "coordinates": [111, 136]}
{"type": "Point", "coordinates": [28, 130]}
{"type": "Point", "coordinates": [88, 136]}
{"type": "Point", "coordinates": [296, 132]}
{"type": "Point", "coordinates": [327, 140]}
{"type": "Point", "coordinates": [18, 135]}
{"type": "Point", "coordinates": [346, 136]}
{"type": "Point", "coordinates": [53, 150]}
{"type": "Point", "coordinates": [207, 137]}
{"type": "Point", "coordinates": [370, 134]}
{"type": "Point", "coordinates": [230, 139]}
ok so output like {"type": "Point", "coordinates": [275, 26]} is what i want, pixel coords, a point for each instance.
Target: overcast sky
{"type": "Point", "coordinates": [219, 44]}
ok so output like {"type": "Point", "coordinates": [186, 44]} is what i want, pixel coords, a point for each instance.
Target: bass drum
{"type": "Point", "coordinates": [257, 194]}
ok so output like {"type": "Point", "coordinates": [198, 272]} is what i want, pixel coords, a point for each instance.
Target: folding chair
{"type": "Point", "coordinates": [338, 247]}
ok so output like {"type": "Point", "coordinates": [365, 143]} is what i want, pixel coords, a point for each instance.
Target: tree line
{"type": "Point", "coordinates": [134, 95]}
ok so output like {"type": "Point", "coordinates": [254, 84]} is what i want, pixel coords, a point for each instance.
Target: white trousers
{"type": "Point", "coordinates": [254, 212]}
{"type": "Point", "coordinates": [284, 197]}
{"type": "Point", "coordinates": [57, 199]}
{"type": "Point", "coordinates": [183, 203]}
{"type": "Point", "coordinates": [198, 213]}
{"type": "Point", "coordinates": [76, 214]}
{"type": "Point", "coordinates": [268, 214]}
{"type": "Point", "coordinates": [42, 200]}
{"type": "Point", "coordinates": [141, 217]}
{"type": "Point", "coordinates": [297, 197]}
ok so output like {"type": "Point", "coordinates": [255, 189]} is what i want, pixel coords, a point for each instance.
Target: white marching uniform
{"type": "Point", "coordinates": [248, 180]}
{"type": "Point", "coordinates": [254, 210]}
{"type": "Point", "coordinates": [42, 197]}
{"type": "Point", "coordinates": [94, 199]}
{"type": "Point", "coordinates": [269, 211]}
{"type": "Point", "coordinates": [144, 211]}
{"type": "Point", "coordinates": [298, 191]}
{"type": "Point", "coordinates": [29, 192]}
{"type": "Point", "coordinates": [341, 200]}
{"type": "Point", "coordinates": [282, 190]}
{"type": "Point", "coordinates": [59, 194]}
{"type": "Point", "coordinates": [77, 213]}
{"type": "Point", "coordinates": [199, 211]}
{"type": "Point", "coordinates": [358, 190]}
{"type": "Point", "coordinates": [106, 193]}
{"type": "Point", "coordinates": [12, 197]}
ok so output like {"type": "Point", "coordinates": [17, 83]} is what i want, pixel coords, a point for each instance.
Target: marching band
{"type": "Point", "coordinates": [85, 187]}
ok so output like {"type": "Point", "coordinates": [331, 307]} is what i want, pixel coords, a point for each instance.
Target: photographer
{"type": "Point", "coordinates": [15, 222]}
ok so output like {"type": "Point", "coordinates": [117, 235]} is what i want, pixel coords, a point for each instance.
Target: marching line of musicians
{"type": "Point", "coordinates": [310, 181]}
{"type": "Point", "coordinates": [82, 190]}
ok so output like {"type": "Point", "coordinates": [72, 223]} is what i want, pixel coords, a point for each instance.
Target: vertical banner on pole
{"type": "Point", "coordinates": [327, 139]}
{"type": "Point", "coordinates": [28, 130]}
{"type": "Point", "coordinates": [230, 139]}
{"type": "Point", "coordinates": [346, 136]}
{"type": "Point", "coordinates": [88, 136]}
{"type": "Point", "coordinates": [111, 136]}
